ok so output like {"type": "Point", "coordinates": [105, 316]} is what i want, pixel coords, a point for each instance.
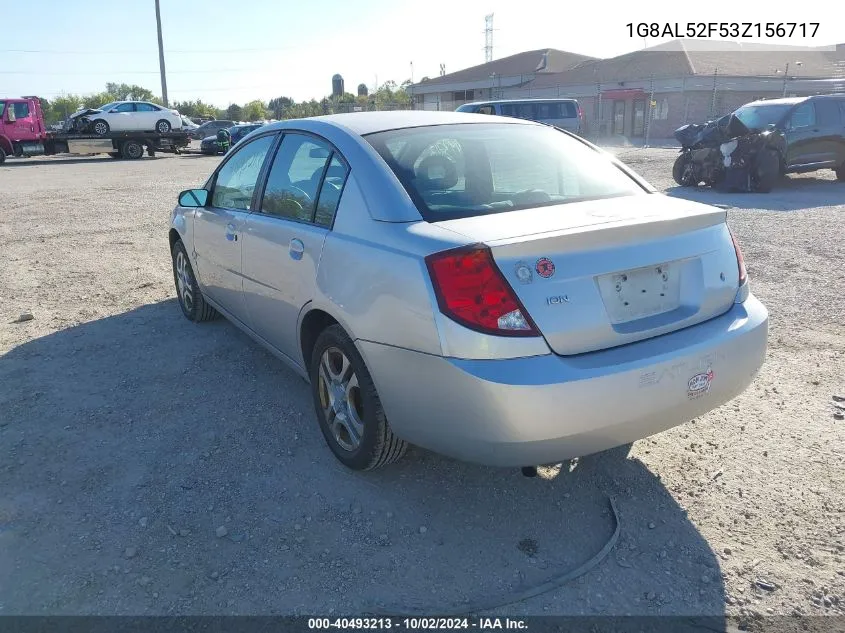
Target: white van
{"type": "Point", "coordinates": [563, 113]}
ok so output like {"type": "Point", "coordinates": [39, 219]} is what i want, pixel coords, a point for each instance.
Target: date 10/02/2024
{"type": "Point", "coordinates": [417, 623]}
{"type": "Point", "coordinates": [779, 30]}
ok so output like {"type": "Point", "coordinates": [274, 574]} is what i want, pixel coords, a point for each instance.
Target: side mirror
{"type": "Point", "coordinates": [10, 113]}
{"type": "Point", "coordinates": [193, 198]}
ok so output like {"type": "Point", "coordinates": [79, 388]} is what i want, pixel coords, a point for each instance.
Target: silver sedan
{"type": "Point", "coordinates": [488, 288]}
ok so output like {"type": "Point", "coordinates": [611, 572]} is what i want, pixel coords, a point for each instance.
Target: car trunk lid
{"type": "Point", "coordinates": [603, 273]}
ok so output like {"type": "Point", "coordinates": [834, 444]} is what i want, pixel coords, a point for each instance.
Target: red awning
{"type": "Point", "coordinates": [623, 93]}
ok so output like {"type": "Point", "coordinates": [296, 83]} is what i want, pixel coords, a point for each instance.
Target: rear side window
{"type": "Point", "coordinates": [294, 180]}
{"type": "Point", "coordinates": [828, 114]}
{"type": "Point", "coordinates": [465, 170]}
{"type": "Point", "coordinates": [330, 191]}
{"type": "Point", "coordinates": [236, 180]}
{"type": "Point", "coordinates": [145, 107]}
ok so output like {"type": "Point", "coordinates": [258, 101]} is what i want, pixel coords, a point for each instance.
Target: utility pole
{"type": "Point", "coordinates": [785, 74]}
{"type": "Point", "coordinates": [161, 57]}
{"type": "Point", "coordinates": [650, 112]}
{"type": "Point", "coordinates": [488, 38]}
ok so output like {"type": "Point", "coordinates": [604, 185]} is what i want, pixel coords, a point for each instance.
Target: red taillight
{"type": "Point", "coordinates": [740, 261]}
{"type": "Point", "coordinates": [471, 290]}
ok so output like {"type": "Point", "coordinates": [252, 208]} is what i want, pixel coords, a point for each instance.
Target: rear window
{"type": "Point", "coordinates": [464, 170]}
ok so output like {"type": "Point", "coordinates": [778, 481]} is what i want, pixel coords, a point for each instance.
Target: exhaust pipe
{"type": "Point", "coordinates": [529, 471]}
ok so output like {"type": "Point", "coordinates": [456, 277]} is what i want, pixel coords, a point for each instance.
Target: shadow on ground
{"type": "Point", "coordinates": [126, 444]}
{"type": "Point", "coordinates": [791, 194]}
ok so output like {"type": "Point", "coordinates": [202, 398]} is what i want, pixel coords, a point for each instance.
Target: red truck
{"type": "Point", "coordinates": [24, 133]}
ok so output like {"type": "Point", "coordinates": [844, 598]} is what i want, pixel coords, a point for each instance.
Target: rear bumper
{"type": "Point", "coordinates": [545, 409]}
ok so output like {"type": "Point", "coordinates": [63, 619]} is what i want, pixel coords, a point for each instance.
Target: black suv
{"type": "Point", "coordinates": [807, 132]}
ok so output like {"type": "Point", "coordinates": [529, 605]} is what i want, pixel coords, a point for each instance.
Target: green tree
{"type": "Point", "coordinates": [234, 112]}
{"type": "Point", "coordinates": [126, 92]}
{"type": "Point", "coordinates": [279, 105]}
{"type": "Point", "coordinates": [254, 111]}
{"type": "Point", "coordinates": [62, 107]}
{"type": "Point", "coordinates": [195, 109]}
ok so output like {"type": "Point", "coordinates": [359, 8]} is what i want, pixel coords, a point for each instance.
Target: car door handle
{"type": "Point", "coordinates": [296, 248]}
{"type": "Point", "coordinates": [231, 235]}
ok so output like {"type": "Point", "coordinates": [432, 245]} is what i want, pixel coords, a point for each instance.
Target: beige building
{"type": "Point", "coordinates": [650, 92]}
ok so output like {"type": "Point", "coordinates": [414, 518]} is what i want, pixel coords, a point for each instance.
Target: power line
{"type": "Point", "coordinates": [126, 72]}
{"type": "Point", "coordinates": [127, 52]}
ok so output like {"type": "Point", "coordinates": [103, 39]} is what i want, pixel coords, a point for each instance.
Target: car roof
{"type": "Point", "coordinates": [363, 123]}
{"type": "Point", "coordinates": [784, 101]}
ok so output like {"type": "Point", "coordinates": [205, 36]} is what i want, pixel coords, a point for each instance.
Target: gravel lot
{"type": "Point", "coordinates": [152, 466]}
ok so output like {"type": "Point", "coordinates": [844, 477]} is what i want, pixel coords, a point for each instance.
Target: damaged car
{"type": "Point", "coordinates": [753, 147]}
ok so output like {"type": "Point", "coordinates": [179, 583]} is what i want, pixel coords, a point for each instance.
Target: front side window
{"type": "Point", "coordinates": [488, 109]}
{"type": "Point", "coordinates": [2, 107]}
{"type": "Point", "coordinates": [125, 107]}
{"type": "Point", "coordinates": [465, 170]}
{"type": "Point", "coordinates": [21, 110]}
{"type": "Point", "coordinates": [804, 116]}
{"type": "Point", "coordinates": [294, 179]}
{"type": "Point", "coordinates": [236, 180]}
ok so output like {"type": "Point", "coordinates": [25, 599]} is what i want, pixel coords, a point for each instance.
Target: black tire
{"type": "Point", "coordinates": [377, 446]}
{"type": "Point", "coordinates": [2, 156]}
{"type": "Point", "coordinates": [766, 170]}
{"type": "Point", "coordinates": [196, 309]}
{"type": "Point", "coordinates": [678, 169]}
{"type": "Point", "coordinates": [163, 126]}
{"type": "Point", "coordinates": [132, 150]}
{"type": "Point", "coordinates": [100, 127]}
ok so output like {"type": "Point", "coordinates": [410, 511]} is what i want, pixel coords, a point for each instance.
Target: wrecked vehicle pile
{"type": "Point", "coordinates": [727, 155]}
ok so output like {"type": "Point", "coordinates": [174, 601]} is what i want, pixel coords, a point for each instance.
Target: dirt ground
{"type": "Point", "coordinates": [152, 466]}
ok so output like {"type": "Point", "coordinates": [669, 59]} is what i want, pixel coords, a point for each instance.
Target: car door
{"type": "Point", "coordinates": [23, 127]}
{"type": "Point", "coordinates": [148, 115]}
{"type": "Point", "coordinates": [121, 118]}
{"type": "Point", "coordinates": [803, 143]}
{"type": "Point", "coordinates": [283, 238]}
{"type": "Point", "coordinates": [831, 129]}
{"type": "Point", "coordinates": [218, 227]}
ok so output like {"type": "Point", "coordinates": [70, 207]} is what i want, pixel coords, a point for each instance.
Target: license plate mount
{"type": "Point", "coordinates": [641, 292]}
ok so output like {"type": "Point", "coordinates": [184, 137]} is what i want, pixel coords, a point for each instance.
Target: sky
{"type": "Point", "coordinates": [233, 52]}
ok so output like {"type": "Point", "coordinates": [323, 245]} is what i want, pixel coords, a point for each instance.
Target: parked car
{"type": "Point", "coordinates": [210, 146]}
{"type": "Point", "coordinates": [210, 128]}
{"type": "Point", "coordinates": [492, 289]}
{"type": "Point", "coordinates": [131, 116]}
{"type": "Point", "coordinates": [807, 132]}
{"type": "Point", "coordinates": [563, 113]}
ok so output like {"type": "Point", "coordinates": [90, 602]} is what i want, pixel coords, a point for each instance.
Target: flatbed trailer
{"type": "Point", "coordinates": [27, 135]}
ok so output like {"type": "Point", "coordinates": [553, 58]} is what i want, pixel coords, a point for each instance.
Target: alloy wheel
{"type": "Point", "coordinates": [340, 398]}
{"type": "Point", "coordinates": [183, 281]}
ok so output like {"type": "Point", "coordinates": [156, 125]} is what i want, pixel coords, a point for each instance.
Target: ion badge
{"type": "Point", "coordinates": [699, 384]}
{"type": "Point", "coordinates": [545, 267]}
{"type": "Point", "coordinates": [523, 273]}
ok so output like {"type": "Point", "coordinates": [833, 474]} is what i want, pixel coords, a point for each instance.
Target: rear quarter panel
{"type": "Point", "coordinates": [372, 276]}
